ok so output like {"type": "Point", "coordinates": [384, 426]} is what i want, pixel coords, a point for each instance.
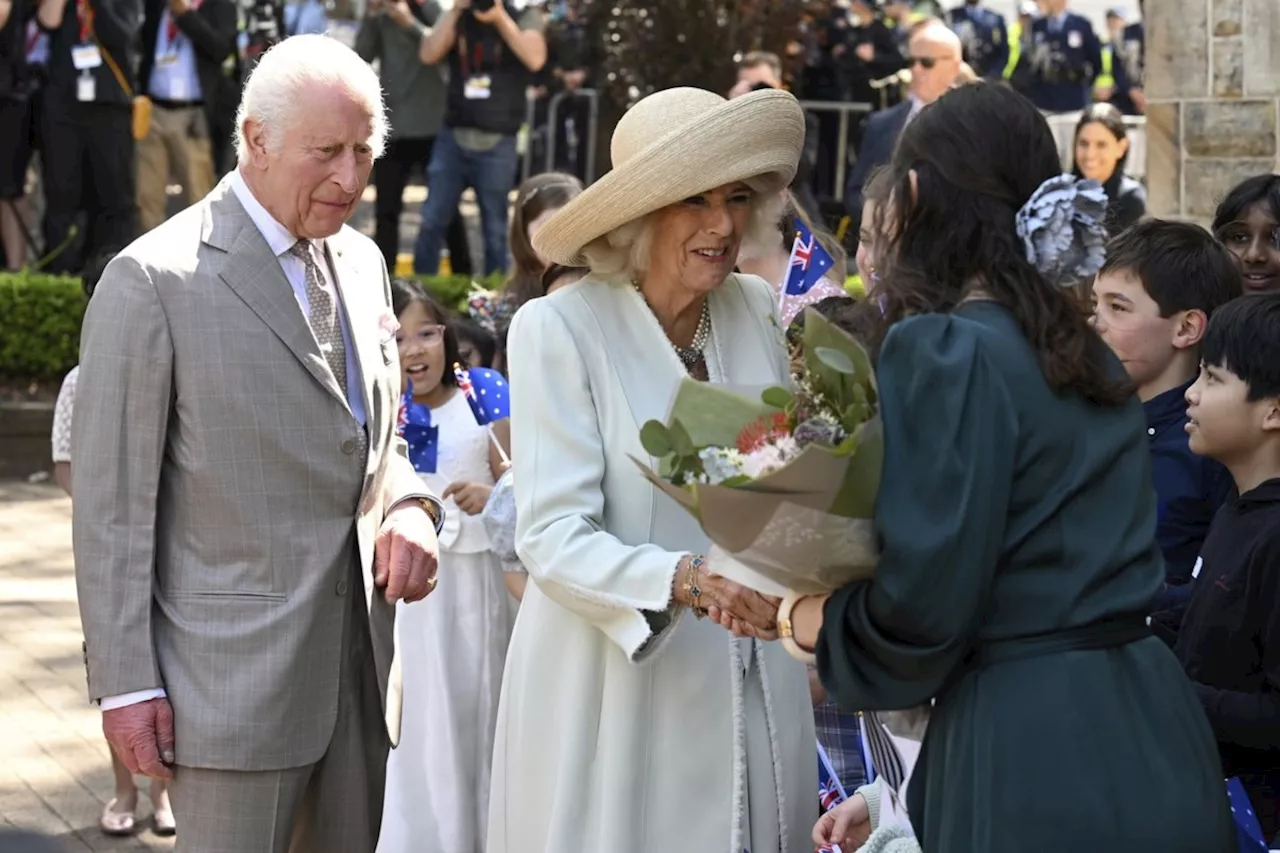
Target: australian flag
{"type": "Point", "coordinates": [809, 263]}
{"type": "Point", "coordinates": [486, 391]}
{"type": "Point", "coordinates": [830, 791]}
{"type": "Point", "coordinates": [414, 424]}
{"type": "Point", "coordinates": [1248, 830]}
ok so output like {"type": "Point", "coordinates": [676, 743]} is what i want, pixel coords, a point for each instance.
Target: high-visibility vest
{"type": "Point", "coordinates": [1015, 46]}
{"type": "Point", "coordinates": [1106, 78]}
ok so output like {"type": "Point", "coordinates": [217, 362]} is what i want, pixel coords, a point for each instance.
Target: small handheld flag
{"type": "Point", "coordinates": [414, 424]}
{"type": "Point", "coordinates": [809, 263]}
{"type": "Point", "coordinates": [830, 792]}
{"type": "Point", "coordinates": [486, 391]}
{"type": "Point", "coordinates": [1248, 831]}
{"type": "Point", "coordinates": [489, 397]}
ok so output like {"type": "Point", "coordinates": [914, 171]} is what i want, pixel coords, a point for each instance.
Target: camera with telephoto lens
{"type": "Point", "coordinates": [481, 5]}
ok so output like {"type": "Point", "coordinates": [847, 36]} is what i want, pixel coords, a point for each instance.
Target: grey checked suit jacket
{"type": "Point", "coordinates": [220, 501]}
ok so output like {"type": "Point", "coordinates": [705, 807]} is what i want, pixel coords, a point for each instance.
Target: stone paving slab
{"type": "Point", "coordinates": [55, 769]}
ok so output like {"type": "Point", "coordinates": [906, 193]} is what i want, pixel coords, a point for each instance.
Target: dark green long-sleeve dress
{"type": "Point", "coordinates": [1018, 563]}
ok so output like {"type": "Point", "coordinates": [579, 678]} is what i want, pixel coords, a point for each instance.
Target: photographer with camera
{"type": "Point", "coordinates": [23, 52]}
{"type": "Point", "coordinates": [492, 49]}
{"type": "Point", "coordinates": [87, 128]}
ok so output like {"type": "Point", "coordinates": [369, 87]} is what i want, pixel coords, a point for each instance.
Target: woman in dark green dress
{"type": "Point", "coordinates": [1017, 518]}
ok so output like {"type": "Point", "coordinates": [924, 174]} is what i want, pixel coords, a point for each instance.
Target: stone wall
{"type": "Point", "coordinates": [1213, 87]}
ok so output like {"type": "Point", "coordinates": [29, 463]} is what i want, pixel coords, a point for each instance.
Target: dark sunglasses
{"type": "Point", "coordinates": [926, 62]}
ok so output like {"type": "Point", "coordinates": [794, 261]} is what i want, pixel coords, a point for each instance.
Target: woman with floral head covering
{"type": "Point", "coordinates": [1016, 518]}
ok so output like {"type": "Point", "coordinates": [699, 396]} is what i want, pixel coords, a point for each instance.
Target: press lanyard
{"type": "Point", "coordinates": [464, 61]}
{"type": "Point", "coordinates": [171, 26]}
{"type": "Point", "coordinates": [84, 13]}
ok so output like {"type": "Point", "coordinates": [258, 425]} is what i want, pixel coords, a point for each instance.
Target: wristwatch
{"type": "Point", "coordinates": [434, 511]}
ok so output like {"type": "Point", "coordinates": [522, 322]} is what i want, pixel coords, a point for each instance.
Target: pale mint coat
{"type": "Point", "coordinates": [626, 725]}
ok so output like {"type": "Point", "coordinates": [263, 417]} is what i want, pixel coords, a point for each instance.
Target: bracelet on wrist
{"type": "Point", "coordinates": [691, 586]}
{"type": "Point", "coordinates": [786, 632]}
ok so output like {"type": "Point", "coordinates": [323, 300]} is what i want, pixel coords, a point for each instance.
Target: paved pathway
{"type": "Point", "coordinates": [55, 771]}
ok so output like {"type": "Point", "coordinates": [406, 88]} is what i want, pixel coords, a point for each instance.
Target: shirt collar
{"type": "Point", "coordinates": [1168, 408]}
{"type": "Point", "coordinates": [277, 236]}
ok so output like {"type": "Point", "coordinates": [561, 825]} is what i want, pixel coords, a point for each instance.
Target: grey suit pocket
{"type": "Point", "coordinates": [228, 595]}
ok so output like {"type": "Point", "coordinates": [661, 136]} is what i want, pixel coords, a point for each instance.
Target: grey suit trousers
{"type": "Point", "coordinates": [332, 806]}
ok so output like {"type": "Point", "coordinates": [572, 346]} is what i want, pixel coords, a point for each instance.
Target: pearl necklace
{"type": "Point", "coordinates": [689, 356]}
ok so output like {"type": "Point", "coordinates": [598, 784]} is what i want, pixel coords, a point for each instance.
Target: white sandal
{"type": "Point", "coordinates": [162, 822]}
{"type": "Point", "coordinates": [117, 824]}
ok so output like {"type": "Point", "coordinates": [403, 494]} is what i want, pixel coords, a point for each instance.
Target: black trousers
{"type": "Point", "coordinates": [402, 158]}
{"type": "Point", "coordinates": [88, 161]}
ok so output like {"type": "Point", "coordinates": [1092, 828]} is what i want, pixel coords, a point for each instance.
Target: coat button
{"type": "Point", "coordinates": [341, 588]}
{"type": "Point", "coordinates": [349, 446]}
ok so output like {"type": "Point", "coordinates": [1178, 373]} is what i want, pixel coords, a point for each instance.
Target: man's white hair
{"type": "Point", "coordinates": [271, 92]}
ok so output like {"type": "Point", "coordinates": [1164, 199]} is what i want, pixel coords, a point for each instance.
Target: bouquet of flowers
{"type": "Point", "coordinates": [782, 481]}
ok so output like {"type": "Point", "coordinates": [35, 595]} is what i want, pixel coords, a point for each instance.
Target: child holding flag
{"type": "Point", "coordinates": [453, 646]}
{"type": "Point", "coordinates": [804, 265]}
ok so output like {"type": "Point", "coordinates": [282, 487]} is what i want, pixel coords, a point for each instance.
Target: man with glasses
{"type": "Point", "coordinates": [934, 61]}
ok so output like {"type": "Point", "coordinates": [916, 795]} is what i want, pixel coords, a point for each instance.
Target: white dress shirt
{"type": "Point", "coordinates": [280, 241]}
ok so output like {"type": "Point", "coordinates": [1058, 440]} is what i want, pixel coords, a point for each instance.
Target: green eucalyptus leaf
{"type": "Point", "coordinates": [779, 398]}
{"type": "Point", "coordinates": [681, 444]}
{"type": "Point", "coordinates": [656, 439]}
{"type": "Point", "coordinates": [836, 360]}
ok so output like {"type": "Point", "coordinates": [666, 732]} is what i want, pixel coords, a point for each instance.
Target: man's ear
{"type": "Point", "coordinates": [1189, 329]}
{"type": "Point", "coordinates": [255, 140]}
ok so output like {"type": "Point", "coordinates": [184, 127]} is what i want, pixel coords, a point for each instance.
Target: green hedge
{"type": "Point", "coordinates": [40, 318]}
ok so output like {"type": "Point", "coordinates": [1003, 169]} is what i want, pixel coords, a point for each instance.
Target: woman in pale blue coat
{"type": "Point", "coordinates": [627, 724]}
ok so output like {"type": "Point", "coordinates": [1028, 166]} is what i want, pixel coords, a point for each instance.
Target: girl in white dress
{"type": "Point", "coordinates": [452, 645]}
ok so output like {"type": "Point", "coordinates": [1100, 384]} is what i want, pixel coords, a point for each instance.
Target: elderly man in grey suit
{"type": "Point", "coordinates": [245, 516]}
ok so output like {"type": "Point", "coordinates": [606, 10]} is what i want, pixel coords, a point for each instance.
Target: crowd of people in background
{"type": "Point", "coordinates": [125, 100]}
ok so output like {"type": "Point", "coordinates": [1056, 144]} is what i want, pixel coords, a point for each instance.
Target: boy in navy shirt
{"type": "Point", "coordinates": [1152, 301]}
{"type": "Point", "coordinates": [1229, 639]}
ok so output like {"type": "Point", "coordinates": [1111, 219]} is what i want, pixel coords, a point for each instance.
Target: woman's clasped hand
{"type": "Point", "coordinates": [739, 609]}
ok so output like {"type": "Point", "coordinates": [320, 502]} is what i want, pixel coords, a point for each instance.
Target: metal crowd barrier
{"type": "Point", "coordinates": [846, 111]}
{"type": "Point", "coordinates": [546, 133]}
{"type": "Point", "coordinates": [1063, 126]}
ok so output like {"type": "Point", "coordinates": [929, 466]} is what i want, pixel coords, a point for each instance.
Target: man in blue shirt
{"type": "Point", "coordinates": [1062, 59]}
{"type": "Point", "coordinates": [1152, 302]}
{"type": "Point", "coordinates": [984, 36]}
{"type": "Point", "coordinates": [185, 44]}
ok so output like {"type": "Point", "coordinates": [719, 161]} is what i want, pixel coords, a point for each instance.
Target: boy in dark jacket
{"type": "Point", "coordinates": [1161, 283]}
{"type": "Point", "coordinates": [1229, 639]}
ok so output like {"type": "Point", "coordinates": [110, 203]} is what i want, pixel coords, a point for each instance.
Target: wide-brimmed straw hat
{"type": "Point", "coordinates": [675, 144]}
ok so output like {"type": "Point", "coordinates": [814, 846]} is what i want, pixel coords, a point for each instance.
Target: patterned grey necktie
{"type": "Point", "coordinates": [323, 314]}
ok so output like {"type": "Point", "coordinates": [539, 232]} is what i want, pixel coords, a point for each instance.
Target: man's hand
{"type": "Point", "coordinates": [1139, 99]}
{"type": "Point", "coordinates": [399, 12]}
{"type": "Point", "coordinates": [142, 736]}
{"type": "Point", "coordinates": [406, 554]}
{"type": "Point", "coordinates": [574, 80]}
{"type": "Point", "coordinates": [493, 14]}
{"type": "Point", "coordinates": [866, 52]}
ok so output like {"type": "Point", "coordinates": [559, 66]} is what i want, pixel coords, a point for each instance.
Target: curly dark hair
{"type": "Point", "coordinates": [965, 166]}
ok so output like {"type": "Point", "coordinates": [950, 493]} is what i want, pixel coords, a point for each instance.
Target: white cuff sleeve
{"type": "Point", "coordinates": [111, 703]}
